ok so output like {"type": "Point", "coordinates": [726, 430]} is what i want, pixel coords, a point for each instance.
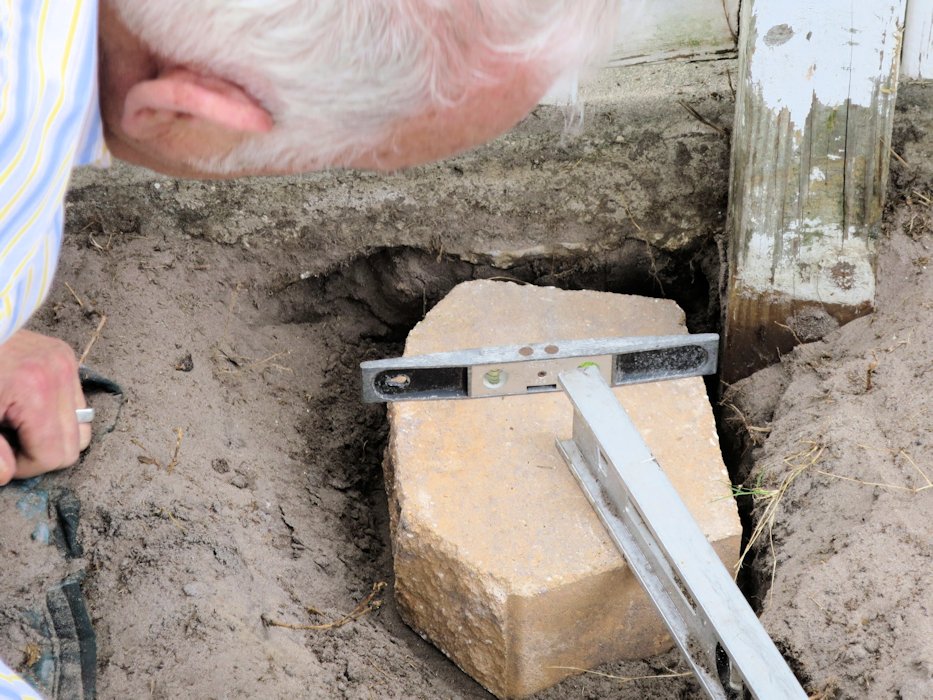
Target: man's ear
{"type": "Point", "coordinates": [153, 106]}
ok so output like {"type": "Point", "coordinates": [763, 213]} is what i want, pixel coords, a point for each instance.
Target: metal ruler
{"type": "Point", "coordinates": [533, 368]}
{"type": "Point", "coordinates": [709, 619]}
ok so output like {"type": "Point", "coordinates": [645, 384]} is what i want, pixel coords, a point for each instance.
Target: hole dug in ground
{"type": "Point", "coordinates": [274, 509]}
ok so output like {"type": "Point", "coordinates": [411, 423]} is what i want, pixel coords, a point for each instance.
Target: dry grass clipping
{"type": "Point", "coordinates": [756, 434]}
{"type": "Point", "coordinates": [624, 679]}
{"type": "Point", "coordinates": [31, 654]}
{"type": "Point", "coordinates": [369, 604]}
{"type": "Point", "coordinates": [799, 462]}
{"type": "Point", "coordinates": [928, 484]}
{"type": "Point", "coordinates": [94, 337]}
{"type": "Point", "coordinates": [147, 458]}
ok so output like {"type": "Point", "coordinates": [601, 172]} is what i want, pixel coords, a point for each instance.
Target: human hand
{"type": "Point", "coordinates": [39, 393]}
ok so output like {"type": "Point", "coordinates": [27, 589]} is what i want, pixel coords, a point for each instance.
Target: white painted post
{"type": "Point", "coordinates": [917, 60]}
{"type": "Point", "coordinates": [810, 153]}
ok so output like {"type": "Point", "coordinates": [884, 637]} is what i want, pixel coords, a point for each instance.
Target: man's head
{"type": "Point", "coordinates": [228, 87]}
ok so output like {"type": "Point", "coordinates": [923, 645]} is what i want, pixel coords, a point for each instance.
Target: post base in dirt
{"type": "Point", "coordinates": [810, 154]}
{"type": "Point", "coordinates": [764, 327]}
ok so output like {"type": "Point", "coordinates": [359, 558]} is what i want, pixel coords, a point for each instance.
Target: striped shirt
{"type": "Point", "coordinates": [12, 687]}
{"type": "Point", "coordinates": [49, 122]}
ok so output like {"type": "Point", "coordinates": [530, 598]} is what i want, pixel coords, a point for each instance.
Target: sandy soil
{"type": "Point", "coordinates": [843, 468]}
{"type": "Point", "coordinates": [241, 486]}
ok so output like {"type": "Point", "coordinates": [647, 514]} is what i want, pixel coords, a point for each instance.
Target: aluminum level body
{"type": "Point", "coordinates": [534, 367]}
{"type": "Point", "coordinates": [709, 618]}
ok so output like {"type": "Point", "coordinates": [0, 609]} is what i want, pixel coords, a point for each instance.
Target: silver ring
{"type": "Point", "coordinates": [84, 415]}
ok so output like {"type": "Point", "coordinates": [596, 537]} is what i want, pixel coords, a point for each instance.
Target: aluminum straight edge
{"type": "Point", "coordinates": [696, 596]}
{"type": "Point", "coordinates": [669, 603]}
{"type": "Point", "coordinates": [565, 348]}
{"type": "Point", "coordinates": [451, 375]}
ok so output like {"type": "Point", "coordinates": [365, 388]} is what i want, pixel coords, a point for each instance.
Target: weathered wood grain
{"type": "Point", "coordinates": [917, 60]}
{"type": "Point", "coordinates": [810, 153]}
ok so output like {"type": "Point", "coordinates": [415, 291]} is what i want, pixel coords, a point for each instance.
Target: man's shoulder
{"type": "Point", "coordinates": [49, 122]}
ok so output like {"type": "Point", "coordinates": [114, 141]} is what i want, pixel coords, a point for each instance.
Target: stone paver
{"type": "Point", "coordinates": [499, 559]}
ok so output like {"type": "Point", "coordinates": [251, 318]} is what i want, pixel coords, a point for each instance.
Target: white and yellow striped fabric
{"type": "Point", "coordinates": [49, 122]}
{"type": "Point", "coordinates": [12, 687]}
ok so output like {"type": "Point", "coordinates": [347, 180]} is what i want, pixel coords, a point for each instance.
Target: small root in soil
{"type": "Point", "coordinates": [886, 485]}
{"type": "Point", "coordinates": [755, 433]}
{"type": "Point", "coordinates": [172, 519]}
{"type": "Point", "coordinates": [75, 295]}
{"type": "Point", "coordinates": [623, 679]}
{"type": "Point", "coordinates": [94, 337]}
{"type": "Point", "coordinates": [243, 364]}
{"type": "Point", "coordinates": [31, 654]}
{"type": "Point", "coordinates": [147, 458]}
{"type": "Point", "coordinates": [799, 463]}
{"type": "Point", "coordinates": [369, 604]}
{"type": "Point", "coordinates": [179, 436]}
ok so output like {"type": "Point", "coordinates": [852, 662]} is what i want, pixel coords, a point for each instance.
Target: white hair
{"type": "Point", "coordinates": [339, 74]}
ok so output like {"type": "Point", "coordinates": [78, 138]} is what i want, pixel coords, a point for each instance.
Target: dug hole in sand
{"type": "Point", "coordinates": [275, 507]}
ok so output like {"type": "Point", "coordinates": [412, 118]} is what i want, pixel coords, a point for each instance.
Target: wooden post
{"type": "Point", "coordinates": [918, 40]}
{"type": "Point", "coordinates": [811, 141]}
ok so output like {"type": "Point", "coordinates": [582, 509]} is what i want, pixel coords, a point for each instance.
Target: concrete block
{"type": "Point", "coordinates": [499, 559]}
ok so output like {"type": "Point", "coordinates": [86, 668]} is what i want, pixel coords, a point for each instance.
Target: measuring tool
{"type": "Point", "coordinates": [711, 622]}
{"type": "Point", "coordinates": [708, 617]}
{"type": "Point", "coordinates": [533, 368]}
